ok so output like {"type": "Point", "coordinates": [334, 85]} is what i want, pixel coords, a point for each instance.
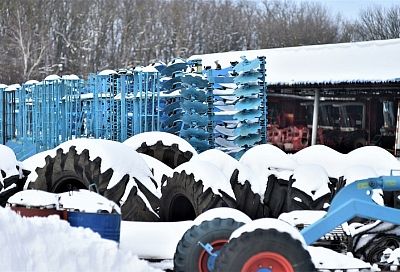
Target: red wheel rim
{"type": "Point", "coordinates": [270, 260]}
{"type": "Point", "coordinates": [203, 259]}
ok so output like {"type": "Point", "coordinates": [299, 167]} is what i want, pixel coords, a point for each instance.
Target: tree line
{"type": "Point", "coordinates": [41, 37]}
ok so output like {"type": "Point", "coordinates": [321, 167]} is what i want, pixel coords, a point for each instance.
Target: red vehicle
{"type": "Point", "coordinates": [343, 125]}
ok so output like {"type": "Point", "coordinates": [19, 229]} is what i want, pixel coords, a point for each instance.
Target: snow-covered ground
{"type": "Point", "coordinates": [50, 244]}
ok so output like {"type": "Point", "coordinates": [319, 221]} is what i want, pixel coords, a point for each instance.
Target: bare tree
{"type": "Point", "coordinates": [378, 23]}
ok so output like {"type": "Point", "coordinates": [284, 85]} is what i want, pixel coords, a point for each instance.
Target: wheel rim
{"type": "Point", "coordinates": [204, 259]}
{"type": "Point", "coordinates": [267, 261]}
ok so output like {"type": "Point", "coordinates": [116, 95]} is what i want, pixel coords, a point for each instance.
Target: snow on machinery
{"type": "Point", "coordinates": [274, 245]}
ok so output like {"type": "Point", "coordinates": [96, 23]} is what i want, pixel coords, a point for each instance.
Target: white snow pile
{"type": "Point", "coordinates": [82, 200]}
{"type": "Point", "coordinates": [227, 164]}
{"type": "Point", "coordinates": [158, 168]}
{"type": "Point", "coordinates": [51, 244]}
{"type": "Point", "coordinates": [324, 156]}
{"type": "Point", "coordinates": [8, 162]}
{"type": "Point", "coordinates": [152, 137]}
{"type": "Point", "coordinates": [209, 174]}
{"type": "Point", "coordinates": [312, 180]}
{"type": "Point", "coordinates": [86, 201]}
{"type": "Point", "coordinates": [34, 198]}
{"type": "Point", "coordinates": [380, 161]}
{"type": "Point", "coordinates": [263, 161]}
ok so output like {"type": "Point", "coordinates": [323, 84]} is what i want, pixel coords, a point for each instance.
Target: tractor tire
{"type": "Point", "coordinates": [275, 196]}
{"type": "Point", "coordinates": [72, 171]}
{"type": "Point", "coordinates": [183, 198]}
{"type": "Point", "coordinates": [262, 248]}
{"type": "Point", "coordinates": [12, 185]}
{"type": "Point", "coordinates": [135, 209]}
{"type": "Point", "coordinates": [170, 155]}
{"type": "Point", "coordinates": [299, 200]}
{"type": "Point", "coordinates": [190, 256]}
{"type": "Point", "coordinates": [246, 200]}
{"type": "Point", "coordinates": [369, 245]}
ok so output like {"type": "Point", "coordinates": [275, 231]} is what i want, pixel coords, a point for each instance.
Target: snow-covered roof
{"type": "Point", "coordinates": [370, 61]}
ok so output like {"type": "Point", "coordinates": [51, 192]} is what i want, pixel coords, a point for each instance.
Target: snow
{"type": "Point", "coordinates": [335, 163]}
{"type": "Point", "coordinates": [211, 176]}
{"type": "Point", "coordinates": [87, 201]}
{"type": "Point", "coordinates": [34, 198]}
{"type": "Point", "coordinates": [149, 69]}
{"type": "Point", "coordinates": [150, 138]}
{"type": "Point", "coordinates": [380, 160]}
{"type": "Point", "coordinates": [331, 160]}
{"type": "Point", "coordinates": [3, 86]}
{"type": "Point", "coordinates": [158, 168]}
{"type": "Point", "coordinates": [324, 258]}
{"type": "Point", "coordinates": [270, 223]}
{"type": "Point", "coordinates": [156, 240]}
{"type": "Point", "coordinates": [51, 244]}
{"type": "Point", "coordinates": [221, 160]}
{"type": "Point", "coordinates": [12, 88]}
{"type": "Point", "coordinates": [107, 72]}
{"type": "Point", "coordinates": [31, 82]}
{"type": "Point", "coordinates": [8, 162]}
{"type": "Point", "coordinates": [120, 157]}
{"type": "Point", "coordinates": [370, 61]}
{"type": "Point", "coordinates": [52, 77]}
{"type": "Point", "coordinates": [312, 180]}
{"type": "Point", "coordinates": [70, 77]}
{"type": "Point", "coordinates": [223, 213]}
{"type": "Point", "coordinates": [262, 161]}
{"type": "Point", "coordinates": [82, 200]}
{"type": "Point", "coordinates": [301, 217]}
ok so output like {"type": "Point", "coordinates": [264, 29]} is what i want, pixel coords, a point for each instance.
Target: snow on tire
{"type": "Point", "coordinates": [12, 176]}
{"type": "Point", "coordinates": [165, 147]}
{"type": "Point", "coordinates": [117, 172]}
{"type": "Point", "coordinates": [190, 256]}
{"type": "Point", "coordinates": [246, 200]}
{"type": "Point", "coordinates": [264, 248]}
{"type": "Point", "coordinates": [309, 188]}
{"type": "Point", "coordinates": [194, 188]}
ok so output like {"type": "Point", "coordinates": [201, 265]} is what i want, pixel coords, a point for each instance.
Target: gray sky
{"type": "Point", "coordinates": [351, 8]}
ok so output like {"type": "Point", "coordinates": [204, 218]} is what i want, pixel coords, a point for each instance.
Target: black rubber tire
{"type": "Point", "coordinates": [170, 155]}
{"type": "Point", "coordinates": [135, 209]}
{"type": "Point", "coordinates": [70, 171]}
{"type": "Point", "coordinates": [275, 196]}
{"type": "Point", "coordinates": [307, 202]}
{"type": "Point", "coordinates": [9, 190]}
{"type": "Point", "coordinates": [188, 251]}
{"type": "Point", "coordinates": [239, 250]}
{"type": "Point", "coordinates": [246, 200]}
{"type": "Point", "coordinates": [183, 198]}
{"type": "Point", "coordinates": [380, 237]}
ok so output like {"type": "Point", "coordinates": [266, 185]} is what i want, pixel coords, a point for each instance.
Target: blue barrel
{"type": "Point", "coordinates": [108, 225]}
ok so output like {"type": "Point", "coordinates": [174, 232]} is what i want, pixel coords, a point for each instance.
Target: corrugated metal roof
{"type": "Point", "coordinates": [357, 62]}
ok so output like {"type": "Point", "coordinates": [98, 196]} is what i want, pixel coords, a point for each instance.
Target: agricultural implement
{"type": "Point", "coordinates": [272, 245]}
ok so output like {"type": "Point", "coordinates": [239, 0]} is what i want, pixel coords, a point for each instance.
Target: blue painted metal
{"type": "Point", "coordinates": [2, 121]}
{"type": "Point", "coordinates": [108, 225]}
{"type": "Point", "coordinates": [355, 200]}
{"type": "Point", "coordinates": [212, 255]}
